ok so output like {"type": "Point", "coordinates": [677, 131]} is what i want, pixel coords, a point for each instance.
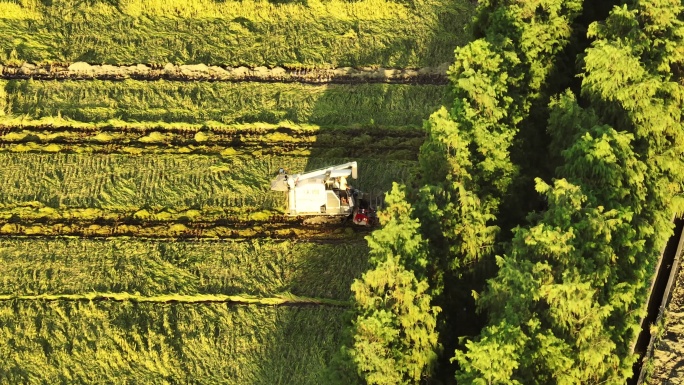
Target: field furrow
{"type": "Point", "coordinates": [85, 342]}
{"type": "Point", "coordinates": [201, 72]}
{"type": "Point", "coordinates": [258, 268]}
{"type": "Point", "coordinates": [312, 34]}
{"type": "Point", "coordinates": [181, 230]}
{"type": "Point", "coordinates": [227, 103]}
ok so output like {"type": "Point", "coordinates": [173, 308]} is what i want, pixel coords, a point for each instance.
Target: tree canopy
{"type": "Point", "coordinates": [568, 297]}
{"type": "Point", "coordinates": [564, 304]}
{"type": "Point", "coordinates": [394, 337]}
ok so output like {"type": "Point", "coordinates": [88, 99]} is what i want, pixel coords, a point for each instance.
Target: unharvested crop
{"type": "Point", "coordinates": [295, 34]}
{"type": "Point", "coordinates": [261, 268]}
{"type": "Point", "coordinates": [85, 342]}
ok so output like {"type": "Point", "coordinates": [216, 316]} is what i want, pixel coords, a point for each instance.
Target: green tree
{"type": "Point", "coordinates": [394, 337]}
{"type": "Point", "coordinates": [492, 360]}
{"type": "Point", "coordinates": [399, 236]}
{"type": "Point", "coordinates": [543, 288]}
{"type": "Point", "coordinates": [638, 90]}
{"type": "Point", "coordinates": [466, 165]}
{"type": "Point", "coordinates": [575, 281]}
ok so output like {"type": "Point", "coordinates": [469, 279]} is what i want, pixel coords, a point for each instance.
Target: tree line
{"type": "Point", "coordinates": [522, 251]}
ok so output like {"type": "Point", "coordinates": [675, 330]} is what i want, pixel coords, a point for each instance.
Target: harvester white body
{"type": "Point", "coordinates": [319, 192]}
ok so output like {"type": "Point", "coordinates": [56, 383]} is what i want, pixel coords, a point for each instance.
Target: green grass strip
{"type": "Point", "coordinates": [148, 268]}
{"type": "Point", "coordinates": [323, 34]}
{"type": "Point", "coordinates": [228, 103]}
{"type": "Point", "coordinates": [87, 342]}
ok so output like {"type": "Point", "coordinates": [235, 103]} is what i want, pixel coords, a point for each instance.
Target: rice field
{"type": "Point", "coordinates": [140, 242]}
{"type": "Point", "coordinates": [85, 342]}
{"type": "Point", "coordinates": [313, 34]}
{"type": "Point", "coordinates": [261, 267]}
{"type": "Point", "coordinates": [179, 182]}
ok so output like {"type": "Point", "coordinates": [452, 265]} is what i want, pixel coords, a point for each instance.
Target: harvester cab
{"type": "Point", "coordinates": [326, 192]}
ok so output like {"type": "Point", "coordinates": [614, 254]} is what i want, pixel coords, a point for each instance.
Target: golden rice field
{"type": "Point", "coordinates": [139, 239]}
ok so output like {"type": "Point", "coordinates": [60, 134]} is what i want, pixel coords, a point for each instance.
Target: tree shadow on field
{"type": "Point", "coordinates": [301, 347]}
{"type": "Point", "coordinates": [448, 30]}
{"type": "Point", "coordinates": [307, 337]}
{"type": "Point", "coordinates": [357, 123]}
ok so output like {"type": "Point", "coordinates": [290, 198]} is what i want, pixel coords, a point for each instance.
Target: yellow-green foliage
{"type": "Point", "coordinates": [246, 102]}
{"type": "Point", "coordinates": [178, 182]}
{"type": "Point", "coordinates": [23, 10]}
{"type": "Point", "coordinates": [263, 268]}
{"type": "Point", "coordinates": [297, 34]}
{"type": "Point", "coordinates": [83, 342]}
{"type": "Point", "coordinates": [394, 336]}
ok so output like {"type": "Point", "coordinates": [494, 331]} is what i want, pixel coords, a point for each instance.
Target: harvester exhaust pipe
{"type": "Point", "coordinates": [291, 204]}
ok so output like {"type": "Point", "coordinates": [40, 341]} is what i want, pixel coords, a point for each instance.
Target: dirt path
{"type": "Point", "coordinates": [668, 356]}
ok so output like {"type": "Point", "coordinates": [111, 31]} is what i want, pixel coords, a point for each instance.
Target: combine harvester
{"type": "Point", "coordinates": [323, 196]}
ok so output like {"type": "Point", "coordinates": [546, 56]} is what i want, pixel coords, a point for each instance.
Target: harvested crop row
{"type": "Point", "coordinates": [92, 342]}
{"type": "Point", "coordinates": [39, 213]}
{"type": "Point", "coordinates": [373, 151]}
{"type": "Point", "coordinates": [312, 34]}
{"type": "Point", "coordinates": [283, 129]}
{"type": "Point", "coordinates": [238, 217]}
{"type": "Point", "coordinates": [283, 299]}
{"type": "Point", "coordinates": [367, 142]}
{"type": "Point", "coordinates": [176, 182]}
{"type": "Point", "coordinates": [261, 268]}
{"type": "Point", "coordinates": [185, 230]}
{"type": "Point", "coordinates": [228, 103]}
{"type": "Point", "coordinates": [201, 72]}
